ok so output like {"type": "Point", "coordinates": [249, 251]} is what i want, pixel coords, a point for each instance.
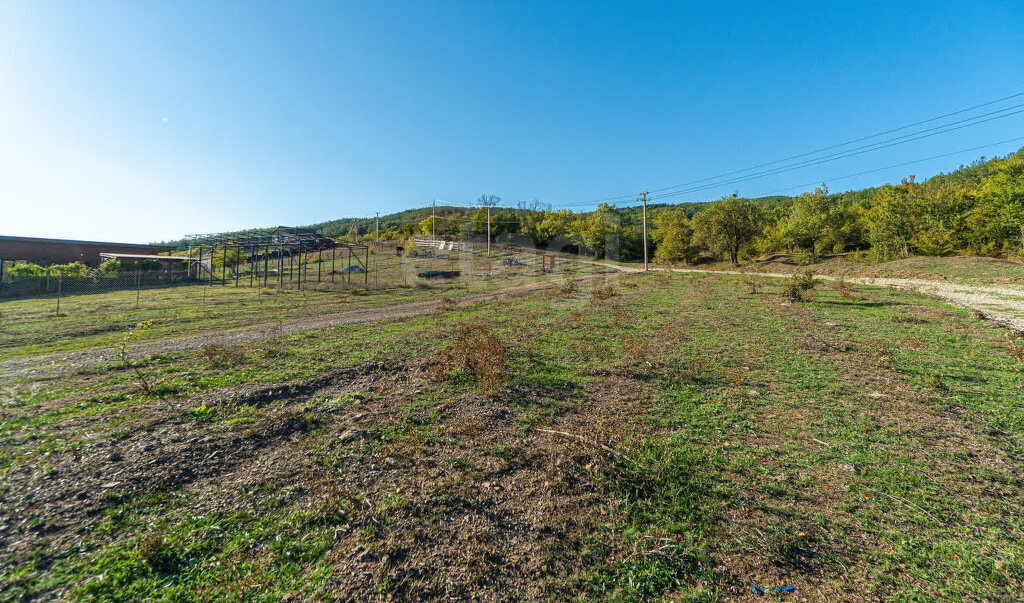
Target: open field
{"type": "Point", "coordinates": [29, 326]}
{"type": "Point", "coordinates": [662, 435]}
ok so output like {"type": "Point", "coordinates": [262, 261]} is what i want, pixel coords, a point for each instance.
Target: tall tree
{"type": "Point", "coordinates": [808, 220]}
{"type": "Point", "coordinates": [1001, 198]}
{"type": "Point", "coordinates": [673, 233]}
{"type": "Point", "coordinates": [727, 225]}
{"type": "Point", "coordinates": [893, 221]}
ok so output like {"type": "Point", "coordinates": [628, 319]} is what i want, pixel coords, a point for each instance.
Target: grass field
{"type": "Point", "coordinates": [662, 436]}
{"type": "Point", "coordinates": [30, 326]}
{"type": "Point", "coordinates": [969, 270]}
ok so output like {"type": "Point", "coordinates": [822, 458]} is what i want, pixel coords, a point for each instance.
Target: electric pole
{"type": "Point", "coordinates": [643, 197]}
{"type": "Point", "coordinates": [376, 226]}
{"type": "Point", "coordinates": [488, 231]}
{"type": "Point", "coordinates": [433, 220]}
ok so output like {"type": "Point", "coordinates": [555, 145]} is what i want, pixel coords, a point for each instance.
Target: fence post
{"type": "Point", "coordinates": [138, 285]}
{"type": "Point", "coordinates": [60, 281]}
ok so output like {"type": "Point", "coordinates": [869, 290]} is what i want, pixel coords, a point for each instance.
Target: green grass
{"type": "Point", "coordinates": [755, 444]}
{"type": "Point", "coordinates": [967, 270]}
{"type": "Point", "coordinates": [30, 327]}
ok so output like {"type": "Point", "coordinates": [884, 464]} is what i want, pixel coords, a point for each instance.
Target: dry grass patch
{"type": "Point", "coordinates": [476, 352]}
{"type": "Point", "coordinates": [221, 356]}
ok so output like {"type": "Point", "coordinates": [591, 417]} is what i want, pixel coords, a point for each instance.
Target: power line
{"type": "Point", "coordinates": [828, 148]}
{"type": "Point", "coordinates": [830, 158]}
{"type": "Point", "coordinates": [895, 165]}
{"type": "Point", "coordinates": [894, 141]}
{"type": "Point", "coordinates": [816, 181]}
{"type": "Point", "coordinates": [863, 138]}
{"type": "Point", "coordinates": [861, 173]}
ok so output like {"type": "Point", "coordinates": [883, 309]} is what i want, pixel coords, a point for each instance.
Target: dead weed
{"type": "Point", "coordinates": [476, 352]}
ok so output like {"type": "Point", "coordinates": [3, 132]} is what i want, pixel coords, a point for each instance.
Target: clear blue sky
{"type": "Point", "coordinates": [140, 121]}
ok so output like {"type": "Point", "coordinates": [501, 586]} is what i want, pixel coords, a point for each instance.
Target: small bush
{"type": "Point", "coordinates": [753, 279]}
{"type": "Point", "coordinates": [445, 306]}
{"type": "Point", "coordinates": [124, 350]}
{"type": "Point", "coordinates": [475, 352]}
{"type": "Point", "coordinates": [154, 551]}
{"type": "Point", "coordinates": [1017, 353]}
{"type": "Point", "coordinates": [934, 381]}
{"type": "Point", "coordinates": [798, 287]}
{"type": "Point", "coordinates": [111, 267]}
{"type": "Point", "coordinates": [203, 412]}
{"type": "Point", "coordinates": [845, 289]}
{"type": "Point", "coordinates": [603, 292]}
{"type": "Point", "coordinates": [566, 289]}
{"type": "Point", "coordinates": [221, 356]}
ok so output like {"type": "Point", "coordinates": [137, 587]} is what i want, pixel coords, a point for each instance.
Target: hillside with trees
{"type": "Point", "coordinates": [976, 209]}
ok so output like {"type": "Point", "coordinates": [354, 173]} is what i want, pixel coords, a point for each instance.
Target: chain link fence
{"type": "Point", "coordinates": [55, 283]}
{"type": "Point", "coordinates": [58, 311]}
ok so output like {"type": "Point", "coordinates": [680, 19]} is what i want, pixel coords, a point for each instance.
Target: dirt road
{"type": "Point", "coordinates": [1003, 304]}
{"type": "Point", "coordinates": [45, 364]}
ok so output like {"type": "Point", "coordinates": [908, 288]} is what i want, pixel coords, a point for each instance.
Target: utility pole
{"type": "Point", "coordinates": [488, 231]}
{"type": "Point", "coordinates": [376, 226]}
{"type": "Point", "coordinates": [643, 197]}
{"type": "Point", "coordinates": [433, 220]}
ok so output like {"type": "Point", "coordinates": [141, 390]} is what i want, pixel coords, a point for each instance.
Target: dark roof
{"type": "Point", "coordinates": [63, 251]}
{"type": "Point", "coordinates": [5, 239]}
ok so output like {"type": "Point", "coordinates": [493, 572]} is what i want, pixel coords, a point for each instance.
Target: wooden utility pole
{"type": "Point", "coordinates": [433, 220]}
{"type": "Point", "coordinates": [376, 226]}
{"type": "Point", "coordinates": [643, 197]}
{"type": "Point", "coordinates": [488, 231]}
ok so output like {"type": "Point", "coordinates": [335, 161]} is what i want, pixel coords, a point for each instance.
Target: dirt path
{"type": "Point", "coordinates": [45, 364]}
{"type": "Point", "coordinates": [1002, 304]}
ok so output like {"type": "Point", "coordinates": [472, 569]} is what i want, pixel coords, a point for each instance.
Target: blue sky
{"type": "Point", "coordinates": [141, 121]}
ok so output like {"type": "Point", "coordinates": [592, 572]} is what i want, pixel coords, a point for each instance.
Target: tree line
{"type": "Point", "coordinates": [976, 209]}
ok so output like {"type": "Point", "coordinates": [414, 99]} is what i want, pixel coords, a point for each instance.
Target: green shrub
{"type": "Point", "coordinates": [796, 289]}
{"type": "Point", "coordinates": [27, 270]}
{"type": "Point", "coordinates": [111, 267]}
{"type": "Point", "coordinates": [221, 259]}
{"type": "Point", "coordinates": [73, 269]}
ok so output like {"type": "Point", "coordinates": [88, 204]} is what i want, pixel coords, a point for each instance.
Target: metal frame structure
{"type": "Point", "coordinates": [269, 245]}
